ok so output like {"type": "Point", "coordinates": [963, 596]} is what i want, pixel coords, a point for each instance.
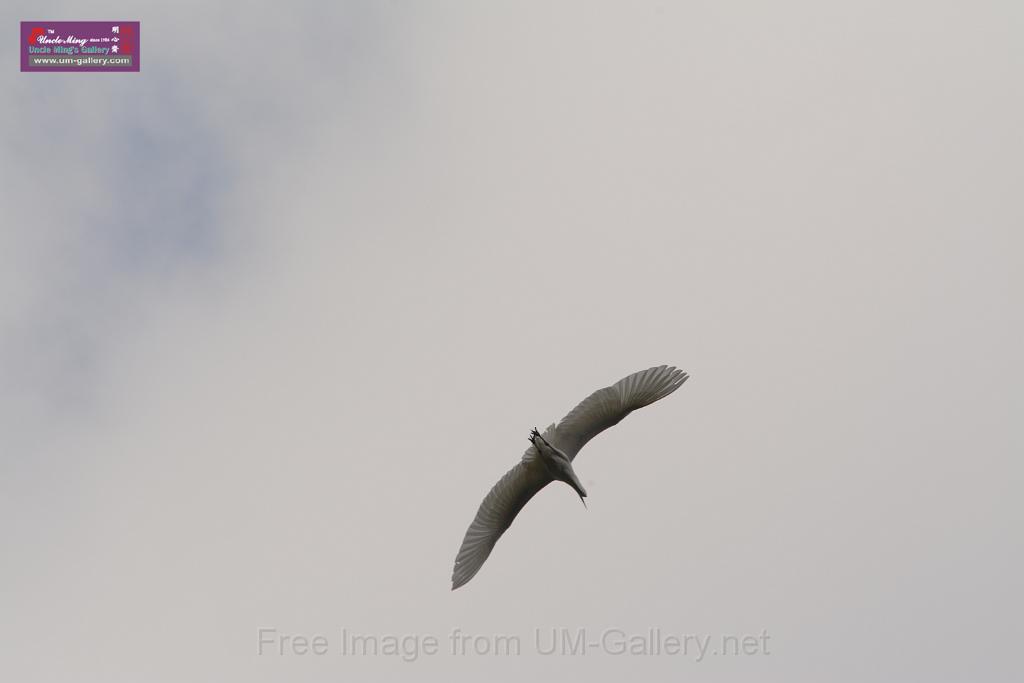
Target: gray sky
{"type": "Point", "coordinates": [277, 311]}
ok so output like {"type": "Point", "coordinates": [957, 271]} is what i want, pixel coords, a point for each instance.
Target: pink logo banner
{"type": "Point", "coordinates": [79, 46]}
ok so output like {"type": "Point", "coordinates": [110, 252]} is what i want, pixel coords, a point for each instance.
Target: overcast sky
{"type": "Point", "coordinates": [278, 310]}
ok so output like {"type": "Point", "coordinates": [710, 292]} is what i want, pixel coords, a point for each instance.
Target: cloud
{"type": "Point", "coordinates": [126, 189]}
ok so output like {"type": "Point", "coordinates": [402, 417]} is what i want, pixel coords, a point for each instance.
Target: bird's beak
{"type": "Point", "coordinates": [581, 493]}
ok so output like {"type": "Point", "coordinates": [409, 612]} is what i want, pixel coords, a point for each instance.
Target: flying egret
{"type": "Point", "coordinates": [550, 457]}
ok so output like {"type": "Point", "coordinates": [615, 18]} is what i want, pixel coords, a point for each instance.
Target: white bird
{"type": "Point", "coordinates": [550, 457]}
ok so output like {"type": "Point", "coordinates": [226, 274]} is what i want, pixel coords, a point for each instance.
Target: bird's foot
{"type": "Point", "coordinates": [534, 435]}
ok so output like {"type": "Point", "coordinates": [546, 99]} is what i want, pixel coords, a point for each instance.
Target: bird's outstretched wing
{"type": "Point", "coordinates": [606, 407]}
{"type": "Point", "coordinates": [496, 513]}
